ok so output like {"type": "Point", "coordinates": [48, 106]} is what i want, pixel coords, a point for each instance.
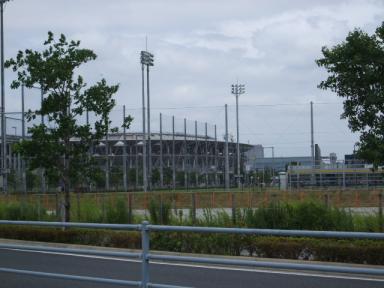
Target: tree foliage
{"type": "Point", "coordinates": [356, 73]}
{"type": "Point", "coordinates": [61, 145]}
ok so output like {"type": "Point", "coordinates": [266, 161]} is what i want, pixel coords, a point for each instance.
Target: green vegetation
{"type": "Point", "coordinates": [23, 211]}
{"type": "Point", "coordinates": [308, 215]}
{"type": "Point", "coordinates": [67, 98]}
{"type": "Point", "coordinates": [350, 251]}
{"type": "Point", "coordinates": [305, 215]}
{"type": "Point", "coordinates": [355, 69]}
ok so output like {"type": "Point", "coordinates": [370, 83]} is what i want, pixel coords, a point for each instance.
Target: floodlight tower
{"type": "Point", "coordinates": [3, 124]}
{"type": "Point", "coordinates": [146, 59]}
{"type": "Point", "coordinates": [238, 89]}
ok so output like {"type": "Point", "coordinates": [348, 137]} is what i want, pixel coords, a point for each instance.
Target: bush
{"type": "Point", "coordinates": [106, 238]}
{"type": "Point", "coordinates": [301, 216]}
{"type": "Point", "coordinates": [160, 212]}
{"type": "Point", "coordinates": [23, 211]}
{"type": "Point", "coordinates": [118, 212]}
{"type": "Point", "coordinates": [349, 251]}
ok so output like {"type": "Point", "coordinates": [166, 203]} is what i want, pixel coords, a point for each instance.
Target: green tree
{"type": "Point", "coordinates": [67, 98]}
{"type": "Point", "coordinates": [356, 73]}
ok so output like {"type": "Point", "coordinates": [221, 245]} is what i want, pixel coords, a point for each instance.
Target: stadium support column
{"type": "Point", "coordinates": [173, 154]}
{"type": "Point", "coordinates": [161, 152]}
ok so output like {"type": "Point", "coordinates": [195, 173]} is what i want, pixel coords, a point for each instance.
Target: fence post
{"type": "Point", "coordinates": [326, 200]}
{"type": "Point", "coordinates": [193, 214]}
{"type": "Point", "coordinates": [130, 207]}
{"type": "Point", "coordinates": [144, 256]}
{"type": "Point", "coordinates": [233, 207]}
{"type": "Point", "coordinates": [381, 228]}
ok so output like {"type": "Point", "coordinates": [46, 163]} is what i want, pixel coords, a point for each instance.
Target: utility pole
{"type": "Point", "coordinates": [42, 170]}
{"type": "Point", "coordinates": [4, 165]}
{"type": "Point", "coordinates": [273, 159]}
{"type": "Point", "coordinates": [206, 156]}
{"type": "Point", "coordinates": [313, 177]}
{"type": "Point", "coordinates": [185, 155]}
{"type": "Point", "coordinates": [173, 154]}
{"type": "Point", "coordinates": [125, 184]}
{"type": "Point", "coordinates": [161, 152]}
{"type": "Point", "coordinates": [107, 166]}
{"type": "Point", "coordinates": [238, 89]}
{"type": "Point", "coordinates": [226, 157]}
{"type": "Point", "coordinates": [23, 165]}
{"type": "Point", "coordinates": [196, 160]}
{"type": "Point", "coordinates": [215, 158]}
{"type": "Point", "coordinates": [312, 138]}
{"type": "Point", "coordinates": [90, 150]}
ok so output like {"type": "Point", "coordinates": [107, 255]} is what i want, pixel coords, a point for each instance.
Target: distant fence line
{"type": "Point", "coordinates": [209, 199]}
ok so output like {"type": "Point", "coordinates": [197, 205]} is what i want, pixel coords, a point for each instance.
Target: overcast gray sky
{"type": "Point", "coordinates": [201, 47]}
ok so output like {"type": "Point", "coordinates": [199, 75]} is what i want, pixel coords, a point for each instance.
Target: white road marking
{"type": "Point", "coordinates": [213, 267]}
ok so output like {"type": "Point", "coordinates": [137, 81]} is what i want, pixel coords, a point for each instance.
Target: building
{"type": "Point", "coordinates": [179, 160]}
{"type": "Point", "coordinates": [278, 164]}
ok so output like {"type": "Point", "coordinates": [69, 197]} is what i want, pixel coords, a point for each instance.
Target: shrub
{"type": "Point", "coordinates": [122, 239]}
{"type": "Point", "coordinates": [117, 213]}
{"type": "Point", "coordinates": [160, 212]}
{"type": "Point", "coordinates": [23, 211]}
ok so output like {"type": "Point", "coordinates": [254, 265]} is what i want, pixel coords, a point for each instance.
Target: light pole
{"type": "Point", "coordinates": [146, 59]}
{"type": "Point", "coordinates": [3, 123]}
{"type": "Point", "coordinates": [273, 160]}
{"type": "Point", "coordinates": [23, 165]}
{"type": "Point", "coordinates": [238, 89]}
{"type": "Point", "coordinates": [226, 159]}
{"type": "Point", "coordinates": [125, 183]}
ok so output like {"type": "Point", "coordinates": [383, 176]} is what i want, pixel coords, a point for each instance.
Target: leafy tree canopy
{"type": "Point", "coordinates": [60, 145]}
{"type": "Point", "coordinates": [356, 73]}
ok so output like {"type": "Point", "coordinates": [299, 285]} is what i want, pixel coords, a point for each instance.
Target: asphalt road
{"type": "Point", "coordinates": [183, 275]}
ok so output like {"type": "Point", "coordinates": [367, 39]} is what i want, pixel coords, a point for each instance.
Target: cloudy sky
{"type": "Point", "coordinates": [201, 47]}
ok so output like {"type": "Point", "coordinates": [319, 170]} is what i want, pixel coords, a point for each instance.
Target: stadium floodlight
{"type": "Point", "coordinates": [146, 59]}
{"type": "Point", "coordinates": [238, 89]}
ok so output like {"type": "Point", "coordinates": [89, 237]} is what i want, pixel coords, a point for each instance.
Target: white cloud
{"type": "Point", "coordinates": [200, 48]}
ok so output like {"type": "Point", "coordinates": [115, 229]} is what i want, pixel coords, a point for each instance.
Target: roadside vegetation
{"type": "Point", "coordinates": [305, 215]}
{"type": "Point", "coordinates": [308, 215]}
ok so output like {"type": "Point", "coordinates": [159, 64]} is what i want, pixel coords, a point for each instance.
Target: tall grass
{"type": "Point", "coordinates": [23, 211]}
{"type": "Point", "coordinates": [302, 216]}
{"type": "Point", "coordinates": [309, 215]}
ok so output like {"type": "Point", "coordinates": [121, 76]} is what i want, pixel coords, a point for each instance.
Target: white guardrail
{"type": "Point", "coordinates": [145, 228]}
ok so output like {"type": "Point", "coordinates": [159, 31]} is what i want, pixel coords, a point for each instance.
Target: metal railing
{"type": "Point", "coordinates": [146, 256]}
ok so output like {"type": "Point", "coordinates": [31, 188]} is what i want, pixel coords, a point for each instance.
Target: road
{"type": "Point", "coordinates": [164, 273]}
